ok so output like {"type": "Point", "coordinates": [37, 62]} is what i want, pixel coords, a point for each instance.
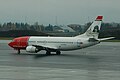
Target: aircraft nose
{"type": "Point", "coordinates": [11, 44]}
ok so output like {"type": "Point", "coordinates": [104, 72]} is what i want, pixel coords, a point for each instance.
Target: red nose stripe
{"type": "Point", "coordinates": [19, 43]}
{"type": "Point", "coordinates": [23, 41]}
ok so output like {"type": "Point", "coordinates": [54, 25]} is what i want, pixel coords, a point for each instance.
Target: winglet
{"type": "Point", "coordinates": [99, 18]}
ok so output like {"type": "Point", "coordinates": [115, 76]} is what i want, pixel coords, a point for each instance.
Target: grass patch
{"type": "Point", "coordinates": [6, 38]}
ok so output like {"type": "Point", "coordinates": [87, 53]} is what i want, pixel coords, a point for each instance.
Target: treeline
{"type": "Point", "coordinates": [110, 29]}
{"type": "Point", "coordinates": [21, 26]}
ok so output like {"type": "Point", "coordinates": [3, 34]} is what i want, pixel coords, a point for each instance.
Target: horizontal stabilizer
{"type": "Point", "coordinates": [103, 39]}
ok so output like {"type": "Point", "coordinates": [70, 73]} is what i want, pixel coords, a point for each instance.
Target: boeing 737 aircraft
{"type": "Point", "coordinates": [34, 44]}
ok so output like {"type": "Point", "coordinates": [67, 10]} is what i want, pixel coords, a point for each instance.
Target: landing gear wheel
{"type": "Point", "coordinates": [48, 53]}
{"type": "Point", "coordinates": [18, 51]}
{"type": "Point", "coordinates": [58, 52]}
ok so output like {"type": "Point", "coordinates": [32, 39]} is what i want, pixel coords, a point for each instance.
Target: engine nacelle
{"type": "Point", "coordinates": [31, 49]}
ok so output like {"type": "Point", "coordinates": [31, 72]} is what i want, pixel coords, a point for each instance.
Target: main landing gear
{"type": "Point", "coordinates": [49, 53]}
{"type": "Point", "coordinates": [58, 52]}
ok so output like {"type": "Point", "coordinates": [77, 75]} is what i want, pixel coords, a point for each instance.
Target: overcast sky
{"type": "Point", "coordinates": [67, 11]}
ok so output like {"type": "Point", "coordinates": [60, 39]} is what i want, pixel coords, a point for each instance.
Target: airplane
{"type": "Point", "coordinates": [34, 44]}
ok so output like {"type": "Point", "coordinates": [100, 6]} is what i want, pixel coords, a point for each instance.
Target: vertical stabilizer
{"type": "Point", "coordinates": [93, 30]}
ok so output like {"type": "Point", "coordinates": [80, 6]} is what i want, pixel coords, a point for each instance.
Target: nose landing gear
{"type": "Point", "coordinates": [18, 51]}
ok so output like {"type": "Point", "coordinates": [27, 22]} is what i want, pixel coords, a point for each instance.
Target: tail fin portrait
{"type": "Point", "coordinates": [93, 30]}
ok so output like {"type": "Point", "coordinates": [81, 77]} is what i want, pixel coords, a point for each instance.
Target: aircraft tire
{"type": "Point", "coordinates": [58, 52]}
{"type": "Point", "coordinates": [48, 53]}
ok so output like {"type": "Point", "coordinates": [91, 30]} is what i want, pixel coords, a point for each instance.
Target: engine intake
{"type": "Point", "coordinates": [31, 49]}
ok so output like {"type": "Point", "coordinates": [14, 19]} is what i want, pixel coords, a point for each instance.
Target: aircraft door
{"type": "Point", "coordinates": [79, 43]}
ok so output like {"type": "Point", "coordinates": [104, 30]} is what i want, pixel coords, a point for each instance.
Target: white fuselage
{"type": "Point", "coordinates": [57, 44]}
{"type": "Point", "coordinates": [61, 43]}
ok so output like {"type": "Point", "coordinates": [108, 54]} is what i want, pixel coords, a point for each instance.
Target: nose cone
{"type": "Point", "coordinates": [11, 44]}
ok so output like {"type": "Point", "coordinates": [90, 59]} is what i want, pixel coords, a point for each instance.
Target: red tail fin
{"type": "Point", "coordinates": [99, 18]}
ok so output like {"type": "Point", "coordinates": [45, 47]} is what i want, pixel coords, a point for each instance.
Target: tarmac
{"type": "Point", "coordinates": [99, 62]}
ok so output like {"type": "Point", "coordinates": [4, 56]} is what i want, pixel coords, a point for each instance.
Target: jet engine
{"type": "Point", "coordinates": [31, 49]}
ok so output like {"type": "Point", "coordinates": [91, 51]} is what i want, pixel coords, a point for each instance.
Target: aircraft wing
{"type": "Point", "coordinates": [103, 39]}
{"type": "Point", "coordinates": [45, 47]}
